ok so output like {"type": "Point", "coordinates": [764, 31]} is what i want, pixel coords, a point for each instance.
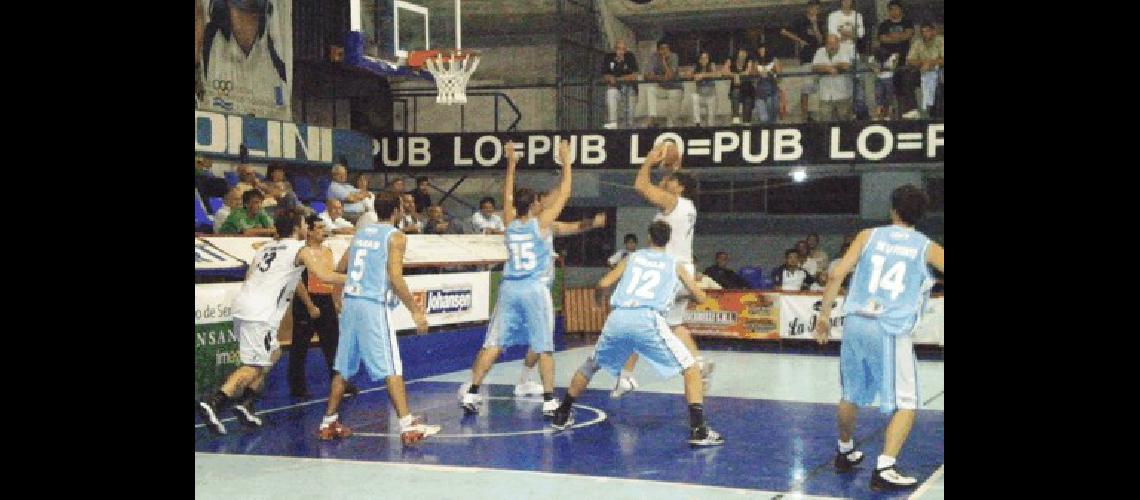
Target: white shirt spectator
{"type": "Point", "coordinates": [838, 21]}
{"type": "Point", "coordinates": [835, 87]}
{"type": "Point", "coordinates": [220, 218]}
{"type": "Point", "coordinates": [793, 281]}
{"type": "Point", "coordinates": [410, 221]}
{"type": "Point", "coordinates": [370, 204]}
{"type": "Point", "coordinates": [494, 222]}
{"type": "Point", "coordinates": [369, 217]}
{"type": "Point", "coordinates": [331, 224]}
{"type": "Point", "coordinates": [340, 191]}
{"type": "Point", "coordinates": [811, 265]}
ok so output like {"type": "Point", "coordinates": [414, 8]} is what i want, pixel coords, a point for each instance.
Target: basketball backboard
{"type": "Point", "coordinates": [387, 30]}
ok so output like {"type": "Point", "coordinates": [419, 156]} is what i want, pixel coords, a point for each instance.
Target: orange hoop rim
{"type": "Point", "coordinates": [416, 58]}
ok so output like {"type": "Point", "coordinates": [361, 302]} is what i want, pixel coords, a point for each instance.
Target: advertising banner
{"type": "Point", "coordinates": [736, 314]}
{"type": "Point", "coordinates": [215, 343]}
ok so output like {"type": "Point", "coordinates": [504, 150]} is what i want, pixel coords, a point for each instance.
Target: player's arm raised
{"type": "Point", "coordinates": [396, 245]}
{"type": "Point", "coordinates": [572, 228]}
{"type": "Point", "coordinates": [608, 281]}
{"type": "Point", "coordinates": [310, 261]}
{"type": "Point", "coordinates": [691, 284]}
{"type": "Point", "coordinates": [509, 186]}
{"type": "Point", "coordinates": [835, 280]}
{"type": "Point", "coordinates": [655, 195]}
{"type": "Point", "coordinates": [562, 193]}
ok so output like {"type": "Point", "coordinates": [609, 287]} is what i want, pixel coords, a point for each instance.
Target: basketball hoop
{"type": "Point", "coordinates": [451, 69]}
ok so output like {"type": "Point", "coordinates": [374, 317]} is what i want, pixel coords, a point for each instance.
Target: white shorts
{"type": "Point", "coordinates": [256, 341]}
{"type": "Point", "coordinates": [676, 315]}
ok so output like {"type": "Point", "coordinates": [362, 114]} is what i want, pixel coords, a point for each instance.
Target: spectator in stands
{"type": "Point", "coordinates": [439, 222]}
{"type": "Point", "coordinates": [422, 194]}
{"type": "Point", "coordinates": [334, 220]}
{"type": "Point", "coordinates": [790, 277]}
{"type": "Point", "coordinates": [895, 34]}
{"type": "Point", "coordinates": [369, 199]}
{"type": "Point", "coordinates": [396, 185]}
{"type": "Point", "coordinates": [703, 73]}
{"type": "Point", "coordinates": [816, 255]}
{"type": "Point", "coordinates": [248, 180]}
{"type": "Point", "coordinates": [411, 223]}
{"type": "Point", "coordinates": [208, 184]}
{"type": "Point", "coordinates": [766, 66]}
{"type": "Point", "coordinates": [349, 196]}
{"type": "Point", "coordinates": [725, 277]}
{"type": "Point", "coordinates": [663, 70]}
{"type": "Point", "coordinates": [834, 62]}
{"type": "Point", "coordinates": [808, 32]}
{"type": "Point", "coordinates": [619, 71]}
{"type": "Point", "coordinates": [630, 243]}
{"type": "Point", "coordinates": [282, 190]}
{"type": "Point", "coordinates": [486, 221]}
{"type": "Point", "coordinates": [231, 202]}
{"type": "Point", "coordinates": [847, 24]}
{"type": "Point", "coordinates": [804, 254]}
{"type": "Point", "coordinates": [250, 219]}
{"type": "Point", "coordinates": [742, 94]}
{"type": "Point", "coordinates": [924, 65]}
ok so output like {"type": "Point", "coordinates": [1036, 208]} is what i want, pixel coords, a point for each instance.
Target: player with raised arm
{"type": "Point", "coordinates": [649, 281]}
{"type": "Point", "coordinates": [884, 302]}
{"type": "Point", "coordinates": [375, 286]}
{"type": "Point", "coordinates": [257, 311]}
{"type": "Point", "coordinates": [524, 313]}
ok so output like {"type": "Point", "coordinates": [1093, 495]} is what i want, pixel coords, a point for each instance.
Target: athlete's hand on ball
{"type": "Point", "coordinates": [314, 312]}
{"type": "Point", "coordinates": [821, 331]}
{"type": "Point", "coordinates": [672, 160]}
{"type": "Point", "coordinates": [421, 321]}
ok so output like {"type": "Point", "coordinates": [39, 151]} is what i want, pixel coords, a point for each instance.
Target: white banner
{"type": "Point", "coordinates": [799, 313]}
{"type": "Point", "coordinates": [247, 58]}
{"type": "Point", "coordinates": [212, 302]}
{"type": "Point", "coordinates": [421, 249]}
{"type": "Point", "coordinates": [448, 299]}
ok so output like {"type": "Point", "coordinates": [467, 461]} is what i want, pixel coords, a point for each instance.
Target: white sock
{"type": "Point", "coordinates": [328, 420]}
{"type": "Point", "coordinates": [846, 447]}
{"type": "Point", "coordinates": [884, 462]}
{"type": "Point", "coordinates": [527, 374]}
{"type": "Point", "coordinates": [406, 421]}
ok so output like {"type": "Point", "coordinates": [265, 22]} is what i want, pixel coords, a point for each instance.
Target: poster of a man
{"type": "Point", "coordinates": [245, 57]}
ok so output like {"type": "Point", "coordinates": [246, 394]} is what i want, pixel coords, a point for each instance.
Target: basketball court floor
{"type": "Point", "coordinates": [776, 410]}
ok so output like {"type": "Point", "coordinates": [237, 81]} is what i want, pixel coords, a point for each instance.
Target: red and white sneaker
{"type": "Point", "coordinates": [413, 429]}
{"type": "Point", "coordinates": [334, 431]}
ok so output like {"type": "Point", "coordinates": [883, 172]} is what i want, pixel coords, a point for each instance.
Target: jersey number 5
{"type": "Point", "coordinates": [357, 272]}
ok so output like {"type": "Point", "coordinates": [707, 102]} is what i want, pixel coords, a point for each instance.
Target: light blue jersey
{"type": "Point", "coordinates": [368, 263]}
{"type": "Point", "coordinates": [529, 252]}
{"type": "Point", "coordinates": [891, 282]}
{"type": "Point", "coordinates": [649, 281]}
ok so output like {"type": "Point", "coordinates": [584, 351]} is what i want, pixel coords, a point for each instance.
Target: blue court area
{"type": "Point", "coordinates": [776, 410]}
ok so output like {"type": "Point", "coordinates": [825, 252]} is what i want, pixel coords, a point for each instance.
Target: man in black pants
{"type": "Point", "coordinates": [317, 313]}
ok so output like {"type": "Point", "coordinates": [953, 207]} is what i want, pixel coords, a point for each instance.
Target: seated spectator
{"type": "Point", "coordinates": [332, 217]}
{"type": "Point", "coordinates": [486, 221]}
{"type": "Point", "coordinates": [396, 185]}
{"type": "Point", "coordinates": [411, 222]}
{"type": "Point", "coordinates": [422, 194]}
{"type": "Point", "coordinates": [630, 243]}
{"type": "Point", "coordinates": [816, 256]}
{"type": "Point", "coordinates": [663, 70]}
{"type": "Point", "coordinates": [766, 66]}
{"type": "Point", "coordinates": [820, 283]}
{"type": "Point", "coordinates": [350, 197]}
{"type": "Point", "coordinates": [231, 202]}
{"type": "Point", "coordinates": [804, 254]}
{"type": "Point", "coordinates": [742, 94]}
{"type": "Point", "coordinates": [248, 180]}
{"type": "Point", "coordinates": [790, 277]}
{"type": "Point", "coordinates": [923, 67]}
{"type": "Point", "coordinates": [619, 71]}
{"type": "Point", "coordinates": [835, 88]}
{"type": "Point", "coordinates": [439, 222]}
{"type": "Point", "coordinates": [250, 219]}
{"type": "Point", "coordinates": [281, 189]}
{"type": "Point", "coordinates": [725, 277]}
{"type": "Point", "coordinates": [706, 89]}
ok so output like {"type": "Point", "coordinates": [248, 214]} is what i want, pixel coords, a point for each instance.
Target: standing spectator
{"type": "Point", "coordinates": [486, 221]}
{"type": "Point", "coordinates": [816, 255]}
{"type": "Point", "coordinates": [895, 34]}
{"type": "Point", "coordinates": [847, 24]}
{"type": "Point", "coordinates": [725, 277]}
{"type": "Point", "coordinates": [369, 199]}
{"type": "Point", "coordinates": [789, 276]}
{"type": "Point", "coordinates": [924, 61]}
{"type": "Point", "coordinates": [766, 66]}
{"type": "Point", "coordinates": [333, 220]}
{"type": "Point", "coordinates": [809, 34]}
{"type": "Point", "coordinates": [422, 194]}
{"type": "Point", "coordinates": [743, 92]}
{"type": "Point", "coordinates": [349, 196]}
{"type": "Point", "coordinates": [250, 219]}
{"type": "Point", "coordinates": [410, 223]}
{"type": "Point", "coordinates": [630, 243]}
{"type": "Point", "coordinates": [248, 180]}
{"type": "Point", "coordinates": [664, 71]}
{"type": "Point", "coordinates": [706, 89]}
{"type": "Point", "coordinates": [833, 62]}
{"type": "Point", "coordinates": [231, 201]}
{"type": "Point", "coordinates": [619, 71]}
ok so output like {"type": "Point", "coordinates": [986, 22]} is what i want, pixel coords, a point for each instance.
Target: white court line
{"type": "Point", "coordinates": [599, 418]}
{"type": "Point", "coordinates": [307, 403]}
{"type": "Point", "coordinates": [926, 485]}
{"type": "Point", "coordinates": [551, 475]}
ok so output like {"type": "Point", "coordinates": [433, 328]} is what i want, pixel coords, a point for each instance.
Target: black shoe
{"type": "Point", "coordinates": [890, 479]}
{"type": "Point", "coordinates": [247, 415]}
{"type": "Point", "coordinates": [351, 390]}
{"type": "Point", "coordinates": [845, 461]}
{"type": "Point", "coordinates": [562, 419]}
{"type": "Point", "coordinates": [209, 412]}
{"type": "Point", "coordinates": [703, 436]}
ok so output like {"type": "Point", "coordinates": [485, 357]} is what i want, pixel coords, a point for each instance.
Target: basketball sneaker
{"type": "Point", "coordinates": [528, 388]}
{"type": "Point", "coordinates": [247, 415]}
{"type": "Point", "coordinates": [413, 429]}
{"type": "Point", "coordinates": [625, 385]}
{"type": "Point", "coordinates": [208, 409]}
{"type": "Point", "coordinates": [469, 402]}
{"type": "Point", "coordinates": [704, 436]}
{"type": "Point", "coordinates": [548, 407]}
{"type": "Point", "coordinates": [845, 461]}
{"type": "Point", "coordinates": [562, 420]}
{"type": "Point", "coordinates": [333, 431]}
{"type": "Point", "coordinates": [890, 479]}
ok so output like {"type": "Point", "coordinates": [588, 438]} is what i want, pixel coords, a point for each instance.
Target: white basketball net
{"type": "Point", "coordinates": [451, 76]}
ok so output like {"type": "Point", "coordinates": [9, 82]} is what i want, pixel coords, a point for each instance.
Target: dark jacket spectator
{"type": "Point", "coordinates": [725, 277]}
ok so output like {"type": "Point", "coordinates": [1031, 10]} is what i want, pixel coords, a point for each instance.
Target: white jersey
{"type": "Point", "coordinates": [241, 84]}
{"type": "Point", "coordinates": [267, 291]}
{"type": "Point", "coordinates": [682, 219]}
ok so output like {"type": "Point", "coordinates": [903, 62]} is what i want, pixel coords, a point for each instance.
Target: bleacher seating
{"type": "Point", "coordinates": [215, 204]}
